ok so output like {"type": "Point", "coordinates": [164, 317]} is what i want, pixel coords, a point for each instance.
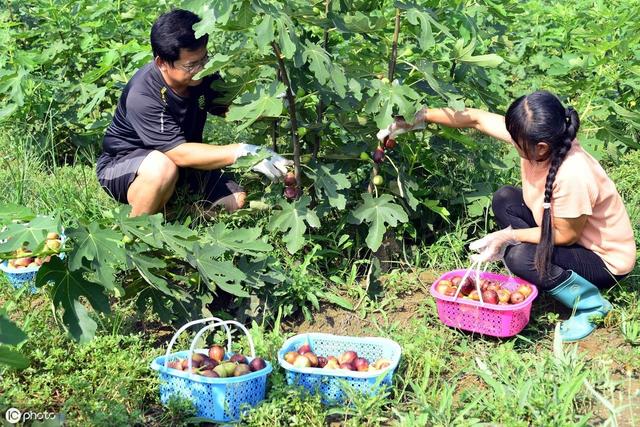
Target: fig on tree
{"type": "Point", "coordinates": [291, 193]}
{"type": "Point", "coordinates": [378, 180]}
{"type": "Point", "coordinates": [389, 143]}
{"type": "Point", "coordinates": [378, 155]}
{"type": "Point", "coordinates": [290, 179]}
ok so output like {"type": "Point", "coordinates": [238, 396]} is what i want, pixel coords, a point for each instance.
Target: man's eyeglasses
{"type": "Point", "coordinates": [194, 67]}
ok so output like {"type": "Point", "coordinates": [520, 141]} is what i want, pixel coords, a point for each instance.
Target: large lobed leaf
{"type": "Point", "coordinates": [291, 220]}
{"type": "Point", "coordinates": [67, 289]}
{"type": "Point", "coordinates": [265, 102]}
{"type": "Point", "coordinates": [377, 212]}
{"type": "Point", "coordinates": [327, 179]}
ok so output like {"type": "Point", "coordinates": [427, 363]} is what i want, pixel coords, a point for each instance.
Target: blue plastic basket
{"type": "Point", "coordinates": [22, 277]}
{"type": "Point", "coordinates": [19, 278]}
{"type": "Point", "coordinates": [217, 399]}
{"type": "Point", "coordinates": [330, 383]}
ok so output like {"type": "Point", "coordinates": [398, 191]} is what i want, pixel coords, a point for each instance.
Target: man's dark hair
{"type": "Point", "coordinates": [174, 31]}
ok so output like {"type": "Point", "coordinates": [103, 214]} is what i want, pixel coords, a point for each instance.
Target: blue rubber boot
{"type": "Point", "coordinates": [577, 292]}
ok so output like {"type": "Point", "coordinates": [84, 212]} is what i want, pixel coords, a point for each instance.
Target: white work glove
{"type": "Point", "coordinates": [274, 167]}
{"type": "Point", "coordinates": [400, 126]}
{"type": "Point", "coordinates": [492, 246]}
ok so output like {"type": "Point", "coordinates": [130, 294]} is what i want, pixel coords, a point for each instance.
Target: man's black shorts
{"type": "Point", "coordinates": [116, 176]}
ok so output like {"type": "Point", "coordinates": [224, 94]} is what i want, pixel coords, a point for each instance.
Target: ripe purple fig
{"type": "Point", "coordinates": [322, 361]}
{"type": "Point", "coordinates": [490, 296]}
{"type": "Point", "coordinates": [389, 144]}
{"type": "Point", "coordinates": [257, 364]}
{"type": "Point", "coordinates": [290, 179]}
{"type": "Point", "coordinates": [209, 373]}
{"type": "Point", "coordinates": [291, 193]}
{"type": "Point", "coordinates": [378, 155]}
{"type": "Point", "coordinates": [239, 358]}
{"type": "Point", "coordinates": [304, 348]}
{"type": "Point", "coordinates": [208, 364]}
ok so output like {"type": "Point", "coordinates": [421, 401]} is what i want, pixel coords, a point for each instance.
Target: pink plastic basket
{"type": "Point", "coordinates": [484, 318]}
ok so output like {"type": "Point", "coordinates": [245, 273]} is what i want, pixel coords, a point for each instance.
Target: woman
{"type": "Point", "coordinates": [566, 230]}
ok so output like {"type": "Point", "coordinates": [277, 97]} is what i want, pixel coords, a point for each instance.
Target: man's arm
{"type": "Point", "coordinates": [203, 156]}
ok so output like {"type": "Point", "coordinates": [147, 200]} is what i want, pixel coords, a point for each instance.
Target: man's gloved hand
{"type": "Point", "coordinates": [274, 167]}
{"type": "Point", "coordinates": [400, 126]}
{"type": "Point", "coordinates": [492, 246]}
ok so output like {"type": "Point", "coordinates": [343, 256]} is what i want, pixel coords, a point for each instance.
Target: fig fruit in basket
{"type": "Point", "coordinates": [348, 357]}
{"type": "Point", "coordinates": [525, 290]}
{"type": "Point", "coordinates": [493, 286]}
{"type": "Point", "coordinates": [302, 362]}
{"type": "Point", "coordinates": [210, 374]}
{"type": "Point", "coordinates": [381, 364]}
{"type": "Point", "coordinates": [313, 359]}
{"type": "Point", "coordinates": [257, 364]}
{"type": "Point", "coordinates": [442, 286]}
{"type": "Point", "coordinates": [216, 352]}
{"type": "Point", "coordinates": [322, 362]}
{"type": "Point", "coordinates": [516, 298]}
{"type": "Point", "coordinates": [175, 364]}
{"type": "Point", "coordinates": [241, 369]}
{"type": "Point", "coordinates": [474, 295]}
{"type": "Point", "coordinates": [291, 356]}
{"type": "Point", "coordinates": [238, 358]}
{"type": "Point", "coordinates": [305, 348]}
{"type": "Point", "coordinates": [208, 363]}
{"type": "Point", "coordinates": [503, 295]}
{"type": "Point", "coordinates": [468, 286]}
{"type": "Point", "coordinates": [332, 363]}
{"type": "Point", "coordinates": [490, 296]}
{"type": "Point", "coordinates": [361, 364]}
{"type": "Point", "coordinates": [456, 280]}
{"type": "Point", "coordinates": [228, 367]}
{"type": "Point", "coordinates": [347, 366]}
{"type": "Point", "coordinates": [221, 370]}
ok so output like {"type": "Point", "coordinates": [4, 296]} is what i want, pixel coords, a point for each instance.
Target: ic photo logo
{"type": "Point", "coordinates": [14, 416]}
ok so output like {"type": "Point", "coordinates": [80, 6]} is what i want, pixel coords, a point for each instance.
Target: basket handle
{"type": "Point", "coordinates": [188, 325]}
{"type": "Point", "coordinates": [226, 324]}
{"type": "Point", "coordinates": [473, 268]}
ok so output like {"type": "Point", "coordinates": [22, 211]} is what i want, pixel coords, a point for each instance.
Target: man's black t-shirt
{"type": "Point", "coordinates": [151, 115]}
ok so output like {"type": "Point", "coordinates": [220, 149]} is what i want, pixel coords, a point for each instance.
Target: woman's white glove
{"type": "Point", "coordinates": [274, 167]}
{"type": "Point", "coordinates": [400, 126]}
{"type": "Point", "coordinates": [492, 246]}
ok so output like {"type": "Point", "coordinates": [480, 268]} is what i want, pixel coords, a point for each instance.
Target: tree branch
{"type": "Point", "coordinates": [394, 47]}
{"type": "Point", "coordinates": [320, 109]}
{"type": "Point", "coordinates": [291, 101]}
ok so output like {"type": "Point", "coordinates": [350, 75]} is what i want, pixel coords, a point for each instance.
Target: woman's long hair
{"type": "Point", "coordinates": [541, 117]}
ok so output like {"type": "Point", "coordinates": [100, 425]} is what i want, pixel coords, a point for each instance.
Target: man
{"type": "Point", "coordinates": [154, 142]}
